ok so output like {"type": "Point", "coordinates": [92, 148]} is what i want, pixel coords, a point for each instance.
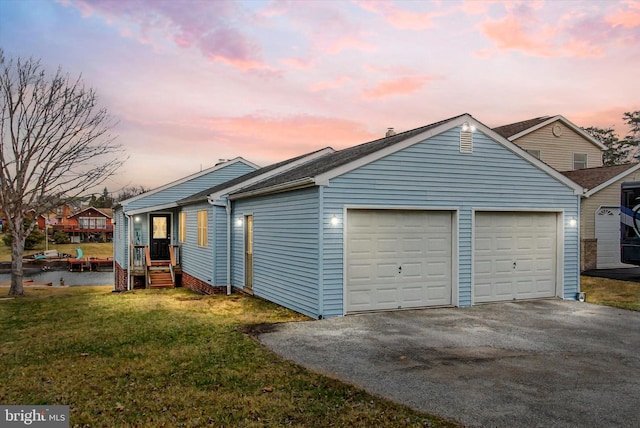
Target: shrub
{"type": "Point", "coordinates": [60, 237]}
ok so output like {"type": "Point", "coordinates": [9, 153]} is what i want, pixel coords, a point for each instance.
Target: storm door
{"type": "Point", "coordinates": [160, 236]}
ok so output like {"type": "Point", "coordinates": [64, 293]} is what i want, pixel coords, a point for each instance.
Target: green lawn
{"type": "Point", "coordinates": [610, 292]}
{"type": "Point", "coordinates": [169, 358]}
{"type": "Point", "coordinates": [100, 250]}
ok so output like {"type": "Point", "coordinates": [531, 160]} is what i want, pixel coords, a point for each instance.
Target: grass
{"type": "Point", "coordinates": [611, 292]}
{"type": "Point", "coordinates": [169, 358]}
{"type": "Point", "coordinates": [90, 249]}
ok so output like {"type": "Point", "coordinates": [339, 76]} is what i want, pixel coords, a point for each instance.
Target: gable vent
{"type": "Point", "coordinates": [466, 141]}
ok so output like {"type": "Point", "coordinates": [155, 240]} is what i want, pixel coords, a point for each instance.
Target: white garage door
{"type": "Point", "coordinates": [397, 259]}
{"type": "Point", "coordinates": [514, 256]}
{"type": "Point", "coordinates": [607, 232]}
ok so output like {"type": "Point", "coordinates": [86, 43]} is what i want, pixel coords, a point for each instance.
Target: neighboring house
{"type": "Point", "coordinates": [450, 214]}
{"type": "Point", "coordinates": [555, 141]}
{"type": "Point", "coordinates": [600, 213]}
{"type": "Point", "coordinates": [569, 149]}
{"type": "Point", "coordinates": [146, 226]}
{"type": "Point", "coordinates": [85, 225]}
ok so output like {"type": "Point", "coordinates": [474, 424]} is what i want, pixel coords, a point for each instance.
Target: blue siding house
{"type": "Point", "coordinates": [449, 214]}
{"type": "Point", "coordinates": [147, 227]}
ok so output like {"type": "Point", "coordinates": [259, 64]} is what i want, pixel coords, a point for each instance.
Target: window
{"type": "Point", "coordinates": [579, 160]}
{"type": "Point", "coordinates": [202, 228]}
{"type": "Point", "coordinates": [182, 232]}
{"type": "Point", "coordinates": [534, 153]}
{"type": "Point", "coordinates": [92, 223]}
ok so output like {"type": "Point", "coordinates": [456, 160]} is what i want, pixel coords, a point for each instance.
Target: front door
{"type": "Point", "coordinates": [160, 234]}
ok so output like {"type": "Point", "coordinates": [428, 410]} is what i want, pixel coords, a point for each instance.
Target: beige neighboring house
{"type": "Point", "coordinates": [570, 150]}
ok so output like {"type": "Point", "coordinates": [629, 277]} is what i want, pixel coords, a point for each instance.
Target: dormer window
{"type": "Point", "coordinates": [579, 160]}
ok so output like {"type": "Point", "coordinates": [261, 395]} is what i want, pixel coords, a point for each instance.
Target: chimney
{"type": "Point", "coordinates": [390, 132]}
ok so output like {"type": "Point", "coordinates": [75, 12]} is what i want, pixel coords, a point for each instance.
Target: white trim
{"type": "Point", "coordinates": [567, 123]}
{"type": "Point", "coordinates": [609, 182]}
{"type": "Point", "coordinates": [560, 244]}
{"type": "Point", "coordinates": [188, 178]}
{"type": "Point", "coordinates": [455, 244]}
{"type": "Point", "coordinates": [153, 208]}
{"type": "Point", "coordinates": [214, 197]}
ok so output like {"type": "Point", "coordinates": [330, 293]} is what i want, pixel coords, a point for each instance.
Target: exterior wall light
{"type": "Point", "coordinates": [239, 222]}
{"type": "Point", "coordinates": [573, 222]}
{"type": "Point", "coordinates": [334, 221]}
{"type": "Point", "coordinates": [466, 127]}
{"type": "Point", "coordinates": [137, 219]}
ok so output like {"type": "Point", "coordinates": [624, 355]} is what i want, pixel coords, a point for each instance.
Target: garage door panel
{"type": "Point", "coordinates": [521, 262]}
{"type": "Point", "coordinates": [418, 242]}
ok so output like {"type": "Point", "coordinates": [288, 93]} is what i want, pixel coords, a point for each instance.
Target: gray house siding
{"type": "Point", "coordinates": [285, 255]}
{"type": "Point", "coordinates": [197, 261]}
{"type": "Point", "coordinates": [220, 243]}
{"type": "Point", "coordinates": [435, 174]}
{"type": "Point", "coordinates": [120, 238]}
{"type": "Point", "coordinates": [190, 187]}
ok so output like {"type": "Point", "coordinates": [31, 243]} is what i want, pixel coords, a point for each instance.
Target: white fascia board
{"type": "Point", "coordinates": [213, 197]}
{"type": "Point", "coordinates": [567, 123]}
{"type": "Point", "coordinates": [278, 188]}
{"type": "Point", "coordinates": [323, 179]}
{"type": "Point", "coordinates": [609, 182]}
{"type": "Point", "coordinates": [151, 209]}
{"type": "Point", "coordinates": [188, 178]}
{"type": "Point", "coordinates": [577, 189]}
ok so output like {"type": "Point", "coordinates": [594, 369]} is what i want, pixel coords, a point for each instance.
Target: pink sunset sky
{"type": "Point", "coordinates": [190, 82]}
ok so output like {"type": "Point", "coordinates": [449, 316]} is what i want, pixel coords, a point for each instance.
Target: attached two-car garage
{"type": "Point", "coordinates": [398, 259]}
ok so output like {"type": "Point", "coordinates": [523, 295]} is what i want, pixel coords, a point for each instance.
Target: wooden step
{"type": "Point", "coordinates": [160, 280]}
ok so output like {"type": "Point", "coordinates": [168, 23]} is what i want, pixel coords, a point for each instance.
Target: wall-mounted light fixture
{"type": "Point", "coordinates": [467, 127]}
{"type": "Point", "coordinates": [573, 222]}
{"type": "Point", "coordinates": [136, 219]}
{"type": "Point", "coordinates": [239, 222]}
{"type": "Point", "coordinates": [335, 221]}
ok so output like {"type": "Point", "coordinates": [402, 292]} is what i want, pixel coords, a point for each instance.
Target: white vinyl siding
{"type": "Point", "coordinates": [203, 228]}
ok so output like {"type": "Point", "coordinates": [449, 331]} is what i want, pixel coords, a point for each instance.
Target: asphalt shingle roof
{"type": "Point", "coordinates": [511, 129]}
{"type": "Point", "coordinates": [201, 196]}
{"type": "Point", "coordinates": [590, 178]}
{"type": "Point", "coordinates": [339, 158]}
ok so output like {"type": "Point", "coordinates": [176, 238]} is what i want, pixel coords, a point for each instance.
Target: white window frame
{"type": "Point", "coordinates": [584, 162]}
{"type": "Point", "coordinates": [203, 228]}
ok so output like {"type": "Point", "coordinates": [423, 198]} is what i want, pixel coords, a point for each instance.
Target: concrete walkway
{"type": "Point", "coordinates": [545, 363]}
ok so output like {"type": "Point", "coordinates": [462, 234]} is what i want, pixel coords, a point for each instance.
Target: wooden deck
{"type": "Point", "coordinates": [28, 283]}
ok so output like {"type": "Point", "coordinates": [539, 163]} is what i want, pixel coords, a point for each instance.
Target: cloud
{"type": "Point", "coordinates": [400, 86]}
{"type": "Point", "coordinates": [335, 83]}
{"type": "Point", "coordinates": [211, 27]}
{"type": "Point", "coordinates": [278, 138]}
{"type": "Point", "coordinates": [401, 19]}
{"type": "Point", "coordinates": [549, 32]}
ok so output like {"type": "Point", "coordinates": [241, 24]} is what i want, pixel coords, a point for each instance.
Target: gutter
{"type": "Point", "coordinates": [276, 188]}
{"type": "Point", "coordinates": [228, 207]}
{"type": "Point", "coordinates": [129, 261]}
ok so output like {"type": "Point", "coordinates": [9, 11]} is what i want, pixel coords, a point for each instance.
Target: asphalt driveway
{"type": "Point", "coordinates": [542, 363]}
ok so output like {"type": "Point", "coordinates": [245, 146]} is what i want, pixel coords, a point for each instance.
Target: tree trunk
{"type": "Point", "coordinates": [17, 251]}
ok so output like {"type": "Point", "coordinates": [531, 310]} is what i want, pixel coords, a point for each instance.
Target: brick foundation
{"type": "Point", "coordinates": [588, 254]}
{"type": "Point", "coordinates": [120, 278]}
{"type": "Point", "coordinates": [199, 286]}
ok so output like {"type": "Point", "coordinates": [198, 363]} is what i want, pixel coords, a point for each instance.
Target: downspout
{"type": "Point", "coordinates": [228, 207]}
{"type": "Point", "coordinates": [129, 262]}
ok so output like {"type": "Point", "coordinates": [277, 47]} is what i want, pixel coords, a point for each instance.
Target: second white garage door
{"type": "Point", "coordinates": [514, 256]}
{"type": "Point", "coordinates": [398, 259]}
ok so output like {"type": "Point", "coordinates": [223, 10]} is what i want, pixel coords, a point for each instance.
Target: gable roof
{"type": "Point", "coordinates": [321, 170]}
{"type": "Point", "coordinates": [596, 179]}
{"type": "Point", "coordinates": [107, 212]}
{"type": "Point", "coordinates": [252, 177]}
{"type": "Point", "coordinates": [185, 179]}
{"type": "Point", "coordinates": [516, 130]}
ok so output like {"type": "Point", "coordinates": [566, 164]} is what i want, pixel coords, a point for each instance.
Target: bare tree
{"type": "Point", "coordinates": [56, 144]}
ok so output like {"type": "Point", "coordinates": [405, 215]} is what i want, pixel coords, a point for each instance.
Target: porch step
{"type": "Point", "coordinates": [160, 280]}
